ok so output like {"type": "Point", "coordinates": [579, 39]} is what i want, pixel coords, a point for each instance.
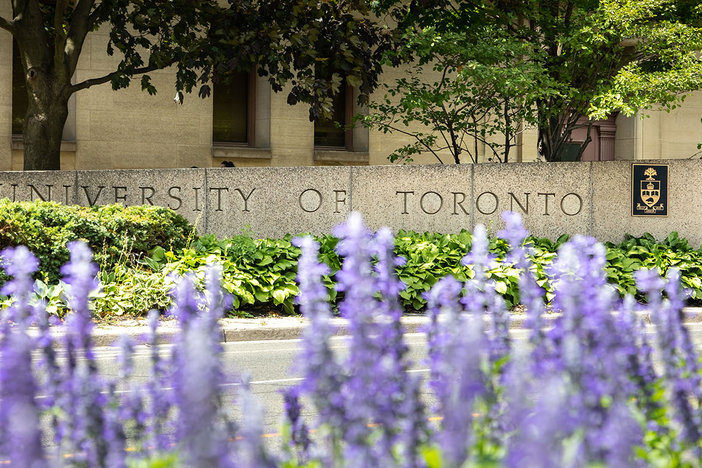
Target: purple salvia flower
{"type": "Point", "coordinates": [216, 300]}
{"type": "Point", "coordinates": [19, 414]}
{"type": "Point", "coordinates": [668, 327]}
{"type": "Point", "coordinates": [81, 397]}
{"type": "Point", "coordinates": [479, 256]}
{"type": "Point", "coordinates": [619, 435]}
{"type": "Point", "coordinates": [640, 356]}
{"type": "Point", "coordinates": [80, 275]}
{"type": "Point", "coordinates": [251, 453]}
{"type": "Point", "coordinates": [87, 418]}
{"type": "Point", "coordinates": [200, 431]}
{"type": "Point", "coordinates": [466, 386]}
{"type": "Point", "coordinates": [531, 294]}
{"type": "Point", "coordinates": [585, 344]}
{"type": "Point", "coordinates": [21, 264]}
{"type": "Point", "coordinates": [322, 374]}
{"type": "Point", "coordinates": [414, 431]}
{"type": "Point", "coordinates": [159, 406]}
{"type": "Point", "coordinates": [186, 306]}
{"type": "Point", "coordinates": [514, 231]}
{"type": "Point", "coordinates": [362, 387]}
{"type": "Point", "coordinates": [518, 387]}
{"type": "Point", "coordinates": [125, 359]}
{"type": "Point", "coordinates": [688, 354]}
{"type": "Point", "coordinates": [444, 317]}
{"type": "Point", "coordinates": [538, 442]}
{"type": "Point", "coordinates": [132, 407]}
{"type": "Point", "coordinates": [299, 433]}
{"type": "Point", "coordinates": [500, 340]}
{"type": "Point", "coordinates": [20, 434]}
{"type": "Point", "coordinates": [480, 296]}
{"type": "Point", "coordinates": [114, 431]}
{"type": "Point", "coordinates": [392, 367]}
{"type": "Point", "coordinates": [48, 362]}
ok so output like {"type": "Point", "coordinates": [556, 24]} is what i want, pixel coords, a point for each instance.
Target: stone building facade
{"type": "Point", "coordinates": [129, 129]}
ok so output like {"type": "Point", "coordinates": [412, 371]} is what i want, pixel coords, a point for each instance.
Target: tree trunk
{"type": "Point", "coordinates": [43, 131]}
{"type": "Point", "coordinates": [47, 77]}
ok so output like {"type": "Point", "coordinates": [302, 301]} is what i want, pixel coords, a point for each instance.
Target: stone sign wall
{"type": "Point", "coordinates": [554, 198]}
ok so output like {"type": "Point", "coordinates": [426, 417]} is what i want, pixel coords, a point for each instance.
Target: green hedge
{"type": "Point", "coordinates": [114, 232]}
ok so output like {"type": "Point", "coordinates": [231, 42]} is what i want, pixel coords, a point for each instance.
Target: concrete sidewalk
{"type": "Point", "coordinates": [288, 328]}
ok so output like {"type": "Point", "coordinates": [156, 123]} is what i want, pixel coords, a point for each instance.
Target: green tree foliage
{"type": "Point", "coordinates": [203, 40]}
{"type": "Point", "coordinates": [550, 64]}
{"type": "Point", "coordinates": [478, 103]}
{"type": "Point", "coordinates": [663, 44]}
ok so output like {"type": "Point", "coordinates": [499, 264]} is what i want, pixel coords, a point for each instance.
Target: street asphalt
{"type": "Point", "coordinates": [289, 328]}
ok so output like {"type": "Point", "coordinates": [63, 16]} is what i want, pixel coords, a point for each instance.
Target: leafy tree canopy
{"type": "Point", "coordinates": [286, 40]}
{"type": "Point", "coordinates": [550, 64]}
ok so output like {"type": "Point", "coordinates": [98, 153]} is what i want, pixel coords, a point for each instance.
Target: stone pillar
{"type": "Point", "coordinates": [607, 130]}
{"type": "Point", "coordinates": [5, 91]}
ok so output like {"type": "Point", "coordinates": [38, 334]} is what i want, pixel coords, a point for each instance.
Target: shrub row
{"type": "Point", "coordinates": [113, 232]}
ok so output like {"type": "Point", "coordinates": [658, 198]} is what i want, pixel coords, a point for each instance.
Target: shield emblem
{"type": "Point", "coordinates": [650, 192]}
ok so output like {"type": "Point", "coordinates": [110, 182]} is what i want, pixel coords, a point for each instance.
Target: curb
{"type": "Point", "coordinates": [290, 328]}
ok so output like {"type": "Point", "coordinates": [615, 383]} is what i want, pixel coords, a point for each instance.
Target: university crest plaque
{"type": "Point", "coordinates": [649, 190]}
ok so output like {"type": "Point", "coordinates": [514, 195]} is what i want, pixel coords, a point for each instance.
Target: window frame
{"type": "Point", "coordinates": [250, 117]}
{"type": "Point", "coordinates": [348, 119]}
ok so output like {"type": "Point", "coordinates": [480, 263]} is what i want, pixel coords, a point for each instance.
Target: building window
{"type": "Point", "coordinates": [19, 92]}
{"type": "Point", "coordinates": [233, 109]}
{"type": "Point", "coordinates": [331, 132]}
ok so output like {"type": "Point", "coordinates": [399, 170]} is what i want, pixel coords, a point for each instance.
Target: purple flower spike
{"type": "Point", "coordinates": [539, 440]}
{"type": "Point", "coordinates": [464, 361]}
{"type": "Point", "coordinates": [299, 434]}
{"type": "Point", "coordinates": [321, 372]}
{"type": "Point", "coordinates": [479, 255]}
{"type": "Point", "coordinates": [444, 316]}
{"type": "Point", "coordinates": [21, 264]}
{"type": "Point", "coordinates": [80, 274]}
{"type": "Point", "coordinates": [619, 436]}
{"type": "Point", "coordinates": [251, 453]}
{"type": "Point", "coordinates": [365, 374]}
{"type": "Point", "coordinates": [159, 406]}
{"type": "Point", "coordinates": [197, 392]}
{"type": "Point", "coordinates": [313, 295]}
{"type": "Point", "coordinates": [19, 415]}
{"type": "Point", "coordinates": [187, 301]}
{"type": "Point", "coordinates": [514, 231]}
{"type": "Point", "coordinates": [531, 294]}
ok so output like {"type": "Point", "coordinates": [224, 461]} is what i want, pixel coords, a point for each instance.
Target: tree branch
{"type": "Point", "coordinates": [7, 25]}
{"type": "Point", "coordinates": [92, 19]}
{"type": "Point", "coordinates": [60, 35]}
{"type": "Point", "coordinates": [104, 79]}
{"type": "Point", "coordinates": [18, 6]}
{"type": "Point", "coordinates": [419, 140]}
{"type": "Point", "coordinates": [78, 29]}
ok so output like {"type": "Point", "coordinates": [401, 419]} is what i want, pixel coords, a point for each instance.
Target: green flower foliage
{"type": "Point", "coordinates": [262, 272]}
{"type": "Point", "coordinates": [255, 272]}
{"type": "Point", "coordinates": [645, 252]}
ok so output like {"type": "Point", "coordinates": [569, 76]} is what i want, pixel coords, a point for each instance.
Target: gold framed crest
{"type": "Point", "coordinates": [649, 189]}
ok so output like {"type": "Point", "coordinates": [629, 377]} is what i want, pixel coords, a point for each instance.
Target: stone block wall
{"type": "Point", "coordinates": [554, 198]}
